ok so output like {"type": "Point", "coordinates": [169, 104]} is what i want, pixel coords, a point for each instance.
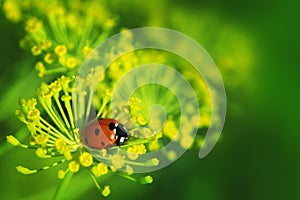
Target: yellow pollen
{"type": "Point", "coordinates": [41, 139]}
{"type": "Point", "coordinates": [60, 143]}
{"type": "Point", "coordinates": [12, 140]}
{"type": "Point", "coordinates": [12, 11]}
{"type": "Point", "coordinates": [86, 50]}
{"type": "Point", "coordinates": [186, 141]}
{"type": "Point", "coordinates": [73, 166]}
{"type": "Point", "coordinates": [86, 159]}
{"type": "Point", "coordinates": [100, 169]}
{"type": "Point", "coordinates": [35, 50]}
{"type": "Point", "coordinates": [33, 114]}
{"type": "Point", "coordinates": [117, 161]}
{"type": "Point", "coordinates": [33, 25]}
{"type": "Point", "coordinates": [129, 170]}
{"type": "Point", "coordinates": [31, 103]}
{"type": "Point", "coordinates": [46, 44]}
{"type": "Point", "coordinates": [55, 87]}
{"type": "Point", "coordinates": [154, 145]}
{"type": "Point", "coordinates": [106, 191]}
{"type": "Point", "coordinates": [41, 152]}
{"type": "Point", "coordinates": [170, 129]}
{"type": "Point", "coordinates": [71, 62]}
{"type": "Point", "coordinates": [60, 50]}
{"type": "Point", "coordinates": [49, 58]}
{"type": "Point", "coordinates": [155, 161]}
{"type": "Point", "coordinates": [131, 154]}
{"type": "Point", "coordinates": [61, 174]}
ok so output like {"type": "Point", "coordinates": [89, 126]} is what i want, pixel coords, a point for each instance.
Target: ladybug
{"type": "Point", "coordinates": [104, 133]}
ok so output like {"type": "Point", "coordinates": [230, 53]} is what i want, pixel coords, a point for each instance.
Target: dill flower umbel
{"type": "Point", "coordinates": [60, 33]}
{"type": "Point", "coordinates": [56, 136]}
{"type": "Point", "coordinates": [62, 108]}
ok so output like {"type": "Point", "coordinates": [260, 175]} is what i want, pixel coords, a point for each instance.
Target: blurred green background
{"type": "Point", "coordinates": [255, 44]}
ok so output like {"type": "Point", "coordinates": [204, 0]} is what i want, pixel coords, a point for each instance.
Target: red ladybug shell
{"type": "Point", "coordinates": [97, 134]}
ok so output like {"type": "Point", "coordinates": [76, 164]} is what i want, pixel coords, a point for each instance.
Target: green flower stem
{"type": "Point", "coordinates": [61, 190]}
{"type": "Point", "coordinates": [95, 181]}
{"type": "Point", "coordinates": [56, 133]}
{"type": "Point", "coordinates": [90, 100]}
{"type": "Point", "coordinates": [56, 70]}
{"type": "Point", "coordinates": [81, 108]}
{"type": "Point", "coordinates": [86, 34]}
{"type": "Point", "coordinates": [62, 111]}
{"type": "Point", "coordinates": [74, 97]}
{"type": "Point", "coordinates": [60, 122]}
{"type": "Point", "coordinates": [54, 116]}
{"type": "Point", "coordinates": [138, 163]}
{"type": "Point", "coordinates": [105, 101]}
{"type": "Point", "coordinates": [70, 113]}
{"type": "Point", "coordinates": [102, 37]}
{"type": "Point", "coordinates": [57, 34]}
{"type": "Point", "coordinates": [51, 138]}
{"type": "Point", "coordinates": [51, 114]}
{"type": "Point", "coordinates": [139, 141]}
{"type": "Point", "coordinates": [127, 177]}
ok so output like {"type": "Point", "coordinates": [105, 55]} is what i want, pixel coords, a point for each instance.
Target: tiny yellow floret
{"type": "Point", "coordinates": [41, 139]}
{"type": "Point", "coordinates": [106, 191]}
{"type": "Point", "coordinates": [71, 62]}
{"type": "Point", "coordinates": [49, 58]}
{"type": "Point", "coordinates": [100, 169]}
{"type": "Point", "coordinates": [39, 66]}
{"type": "Point", "coordinates": [73, 166]}
{"type": "Point", "coordinates": [12, 140]}
{"type": "Point", "coordinates": [32, 25]}
{"type": "Point", "coordinates": [35, 50]}
{"type": "Point", "coordinates": [61, 174]}
{"type": "Point", "coordinates": [33, 114]}
{"type": "Point", "coordinates": [86, 159]}
{"type": "Point", "coordinates": [117, 161]}
{"type": "Point", "coordinates": [60, 50]}
{"type": "Point", "coordinates": [60, 143]}
{"type": "Point", "coordinates": [41, 152]}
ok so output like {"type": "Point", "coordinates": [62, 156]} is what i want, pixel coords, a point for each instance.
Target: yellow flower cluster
{"type": "Point", "coordinates": [61, 33]}
{"type": "Point", "coordinates": [134, 151]}
{"type": "Point", "coordinates": [59, 136]}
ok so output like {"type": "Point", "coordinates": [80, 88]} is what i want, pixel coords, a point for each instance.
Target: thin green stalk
{"type": "Point", "coordinates": [90, 99]}
{"type": "Point", "coordinates": [56, 133]}
{"type": "Point", "coordinates": [58, 121]}
{"type": "Point", "coordinates": [70, 113]}
{"type": "Point", "coordinates": [61, 190]}
{"type": "Point", "coordinates": [62, 112]}
{"type": "Point", "coordinates": [105, 101]}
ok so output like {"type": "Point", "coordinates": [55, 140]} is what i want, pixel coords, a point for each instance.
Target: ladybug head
{"type": "Point", "coordinates": [121, 132]}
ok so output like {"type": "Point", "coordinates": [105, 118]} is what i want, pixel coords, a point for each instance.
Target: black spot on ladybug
{"type": "Point", "coordinates": [102, 143]}
{"type": "Point", "coordinates": [97, 131]}
{"type": "Point", "coordinates": [86, 140]}
{"type": "Point", "coordinates": [111, 126]}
